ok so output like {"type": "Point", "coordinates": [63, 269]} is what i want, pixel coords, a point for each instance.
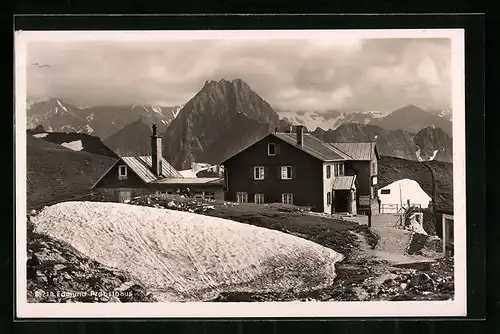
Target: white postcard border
{"type": "Point", "coordinates": [456, 307]}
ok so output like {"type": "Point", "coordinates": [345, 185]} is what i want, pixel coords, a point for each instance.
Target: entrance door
{"type": "Point", "coordinates": [342, 200]}
{"type": "Point", "coordinates": [124, 195]}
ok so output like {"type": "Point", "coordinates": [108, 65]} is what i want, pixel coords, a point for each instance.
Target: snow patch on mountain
{"type": "Point", "coordinates": [329, 120]}
{"type": "Point", "coordinates": [445, 114]}
{"type": "Point", "coordinates": [41, 135]}
{"type": "Point", "coordinates": [61, 105]}
{"type": "Point", "coordinates": [375, 114]}
{"type": "Point", "coordinates": [433, 155]}
{"type": "Point", "coordinates": [90, 117]}
{"type": "Point", "coordinates": [89, 129]}
{"type": "Point", "coordinates": [157, 110]}
{"type": "Point", "coordinates": [311, 120]}
{"type": "Point", "coordinates": [76, 145]}
{"type": "Point", "coordinates": [417, 153]}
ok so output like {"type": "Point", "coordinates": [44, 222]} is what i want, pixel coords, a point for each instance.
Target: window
{"type": "Point", "coordinates": [338, 169]}
{"type": "Point", "coordinates": [259, 198]}
{"type": "Point", "coordinates": [271, 149]}
{"type": "Point", "coordinates": [198, 195]}
{"type": "Point", "coordinates": [328, 171]}
{"type": "Point", "coordinates": [328, 198]}
{"type": "Point", "coordinates": [242, 197]}
{"type": "Point", "coordinates": [209, 195]}
{"type": "Point", "coordinates": [122, 172]}
{"type": "Point", "coordinates": [286, 172]}
{"type": "Point", "coordinates": [385, 191]}
{"type": "Point", "coordinates": [287, 198]}
{"type": "Point", "coordinates": [258, 173]}
{"type": "Point", "coordinates": [374, 168]}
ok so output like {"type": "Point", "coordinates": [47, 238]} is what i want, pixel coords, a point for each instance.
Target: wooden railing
{"type": "Point", "coordinates": [396, 208]}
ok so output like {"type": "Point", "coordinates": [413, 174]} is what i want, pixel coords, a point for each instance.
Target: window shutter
{"type": "Point", "coordinates": [252, 173]}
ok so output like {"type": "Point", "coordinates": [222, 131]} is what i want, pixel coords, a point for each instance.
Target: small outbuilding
{"type": "Point", "coordinates": [398, 194]}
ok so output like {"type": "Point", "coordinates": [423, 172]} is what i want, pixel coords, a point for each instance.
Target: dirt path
{"type": "Point", "coordinates": [392, 241]}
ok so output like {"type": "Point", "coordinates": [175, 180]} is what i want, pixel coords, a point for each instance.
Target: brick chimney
{"type": "Point", "coordinates": [156, 152]}
{"type": "Point", "coordinates": [299, 131]}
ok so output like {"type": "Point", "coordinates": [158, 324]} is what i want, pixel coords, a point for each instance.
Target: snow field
{"type": "Point", "coordinates": [181, 256]}
{"type": "Point", "coordinates": [74, 145]}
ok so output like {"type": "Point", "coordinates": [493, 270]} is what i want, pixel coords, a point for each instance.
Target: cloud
{"type": "Point", "coordinates": [377, 74]}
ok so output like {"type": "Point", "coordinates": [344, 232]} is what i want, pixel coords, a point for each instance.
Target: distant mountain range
{"type": "Point", "coordinates": [412, 118]}
{"type": "Point", "coordinates": [409, 118]}
{"type": "Point", "coordinates": [430, 143]}
{"type": "Point", "coordinates": [226, 116]}
{"type": "Point", "coordinates": [56, 115]}
{"type": "Point", "coordinates": [329, 120]}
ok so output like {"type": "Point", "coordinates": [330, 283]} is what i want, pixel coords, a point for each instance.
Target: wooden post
{"type": "Point", "coordinates": [443, 232]}
{"type": "Point", "coordinates": [370, 213]}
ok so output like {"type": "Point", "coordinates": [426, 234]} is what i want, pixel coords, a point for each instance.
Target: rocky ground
{"type": "Point", "coordinates": [54, 266]}
{"type": "Point", "coordinates": [57, 273]}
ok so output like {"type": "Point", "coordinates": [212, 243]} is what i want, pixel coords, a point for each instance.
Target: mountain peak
{"type": "Point", "coordinates": [210, 113]}
{"type": "Point", "coordinates": [237, 82]}
{"type": "Point", "coordinates": [409, 108]}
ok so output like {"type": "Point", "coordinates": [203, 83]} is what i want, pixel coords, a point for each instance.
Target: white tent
{"type": "Point", "coordinates": [397, 194]}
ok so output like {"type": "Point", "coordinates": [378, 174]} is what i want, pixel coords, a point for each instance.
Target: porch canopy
{"type": "Point", "coordinates": [344, 183]}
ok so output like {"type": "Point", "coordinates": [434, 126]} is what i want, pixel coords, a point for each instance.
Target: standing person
{"type": "Point", "coordinates": [379, 205]}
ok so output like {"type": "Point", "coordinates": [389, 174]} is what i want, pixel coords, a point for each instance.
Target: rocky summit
{"type": "Point", "coordinates": [209, 117]}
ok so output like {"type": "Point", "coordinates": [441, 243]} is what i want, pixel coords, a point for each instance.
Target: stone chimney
{"type": "Point", "coordinates": [156, 152]}
{"type": "Point", "coordinates": [299, 131]}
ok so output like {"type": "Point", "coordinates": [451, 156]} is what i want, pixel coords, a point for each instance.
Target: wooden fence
{"type": "Point", "coordinates": [396, 208]}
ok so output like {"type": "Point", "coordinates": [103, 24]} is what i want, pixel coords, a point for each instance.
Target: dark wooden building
{"type": "Point", "coordinates": [297, 168]}
{"type": "Point", "coordinates": [134, 176]}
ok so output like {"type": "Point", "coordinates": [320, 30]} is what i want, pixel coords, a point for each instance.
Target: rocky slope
{"type": "Point", "coordinates": [210, 115]}
{"type": "Point", "coordinates": [434, 144]}
{"type": "Point", "coordinates": [241, 132]}
{"type": "Point", "coordinates": [396, 143]}
{"type": "Point", "coordinates": [133, 140]}
{"type": "Point", "coordinates": [54, 172]}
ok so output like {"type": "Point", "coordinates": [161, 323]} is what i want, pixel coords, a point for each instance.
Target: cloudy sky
{"type": "Point", "coordinates": [366, 74]}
